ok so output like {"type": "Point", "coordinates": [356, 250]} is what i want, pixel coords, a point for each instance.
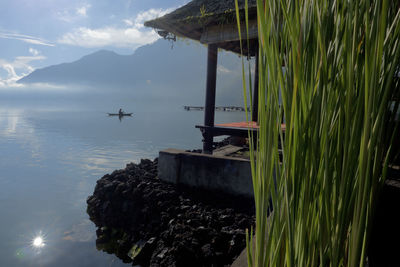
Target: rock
{"type": "Point", "coordinates": [181, 226]}
{"type": "Point", "coordinates": [144, 256]}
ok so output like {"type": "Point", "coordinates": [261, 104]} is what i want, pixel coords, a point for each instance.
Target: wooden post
{"type": "Point", "coordinates": [254, 116]}
{"type": "Point", "coordinates": [209, 111]}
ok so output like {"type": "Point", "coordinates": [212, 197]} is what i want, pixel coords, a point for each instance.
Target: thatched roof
{"type": "Point", "coordinates": [195, 18]}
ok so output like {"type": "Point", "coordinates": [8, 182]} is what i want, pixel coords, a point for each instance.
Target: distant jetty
{"type": "Point", "coordinates": [229, 108]}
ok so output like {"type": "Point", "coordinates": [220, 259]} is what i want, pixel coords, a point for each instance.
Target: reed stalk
{"type": "Point", "coordinates": [327, 67]}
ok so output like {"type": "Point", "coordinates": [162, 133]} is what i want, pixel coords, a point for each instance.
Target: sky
{"type": "Point", "coordinates": [40, 33]}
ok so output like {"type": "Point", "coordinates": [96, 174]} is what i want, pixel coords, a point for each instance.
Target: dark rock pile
{"type": "Point", "coordinates": [152, 223]}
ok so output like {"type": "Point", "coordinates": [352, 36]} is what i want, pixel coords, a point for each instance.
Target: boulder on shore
{"type": "Point", "coordinates": [146, 221]}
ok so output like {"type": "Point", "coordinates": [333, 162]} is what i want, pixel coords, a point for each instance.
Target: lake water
{"type": "Point", "coordinates": [53, 149]}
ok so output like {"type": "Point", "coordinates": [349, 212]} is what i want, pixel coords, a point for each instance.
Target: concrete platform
{"type": "Point", "coordinates": [241, 260]}
{"type": "Point", "coordinates": [213, 172]}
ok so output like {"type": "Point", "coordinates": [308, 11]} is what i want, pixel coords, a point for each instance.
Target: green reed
{"type": "Point", "coordinates": [335, 94]}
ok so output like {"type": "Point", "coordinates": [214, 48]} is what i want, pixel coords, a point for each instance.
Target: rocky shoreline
{"type": "Point", "coordinates": [148, 222]}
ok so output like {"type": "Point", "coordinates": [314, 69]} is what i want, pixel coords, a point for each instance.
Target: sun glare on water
{"type": "Point", "coordinates": [38, 242]}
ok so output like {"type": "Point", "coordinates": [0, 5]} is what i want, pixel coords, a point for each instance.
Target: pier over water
{"type": "Point", "coordinates": [222, 108]}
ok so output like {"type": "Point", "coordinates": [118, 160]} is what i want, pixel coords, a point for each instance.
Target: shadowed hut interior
{"type": "Point", "coordinates": [213, 23]}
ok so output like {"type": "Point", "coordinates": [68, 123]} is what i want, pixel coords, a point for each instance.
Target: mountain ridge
{"type": "Point", "coordinates": [155, 67]}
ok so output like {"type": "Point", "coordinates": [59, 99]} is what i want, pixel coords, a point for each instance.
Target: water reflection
{"type": "Point", "coordinates": [81, 232]}
{"type": "Point", "coordinates": [115, 242]}
{"type": "Point", "coordinates": [10, 125]}
{"type": "Point", "coordinates": [46, 173]}
{"type": "Point", "coordinates": [120, 115]}
{"type": "Point", "coordinates": [14, 128]}
{"type": "Point", "coordinates": [50, 159]}
{"type": "Point", "coordinates": [38, 242]}
{"type": "Point", "coordinates": [33, 249]}
{"type": "Point", "coordinates": [8, 122]}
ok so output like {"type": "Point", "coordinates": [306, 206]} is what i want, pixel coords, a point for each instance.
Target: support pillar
{"type": "Point", "coordinates": [209, 110]}
{"type": "Point", "coordinates": [254, 116]}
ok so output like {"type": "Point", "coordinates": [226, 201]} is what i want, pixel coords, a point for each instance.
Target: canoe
{"type": "Point", "coordinates": [117, 114]}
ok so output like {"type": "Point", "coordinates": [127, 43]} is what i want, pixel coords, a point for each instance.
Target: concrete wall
{"type": "Point", "coordinates": [231, 175]}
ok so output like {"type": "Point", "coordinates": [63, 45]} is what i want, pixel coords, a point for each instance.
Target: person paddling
{"type": "Point", "coordinates": [120, 112]}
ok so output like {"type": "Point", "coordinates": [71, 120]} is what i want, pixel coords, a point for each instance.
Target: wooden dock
{"type": "Point", "coordinates": [224, 108]}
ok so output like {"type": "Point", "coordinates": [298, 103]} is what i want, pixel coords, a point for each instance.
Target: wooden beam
{"type": "Point", "coordinates": [227, 33]}
{"type": "Point", "coordinates": [226, 150]}
{"type": "Point", "coordinates": [221, 130]}
{"type": "Point", "coordinates": [209, 111]}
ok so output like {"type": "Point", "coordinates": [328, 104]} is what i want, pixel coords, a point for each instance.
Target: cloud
{"type": "Point", "coordinates": [221, 69]}
{"type": "Point", "coordinates": [73, 14]}
{"type": "Point", "coordinates": [17, 69]}
{"type": "Point", "coordinates": [25, 38]}
{"type": "Point", "coordinates": [150, 14]}
{"type": "Point", "coordinates": [128, 22]}
{"type": "Point", "coordinates": [131, 35]}
{"type": "Point", "coordinates": [34, 51]}
{"type": "Point", "coordinates": [82, 11]}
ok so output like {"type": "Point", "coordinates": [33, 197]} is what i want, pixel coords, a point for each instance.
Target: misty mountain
{"type": "Point", "coordinates": [159, 69]}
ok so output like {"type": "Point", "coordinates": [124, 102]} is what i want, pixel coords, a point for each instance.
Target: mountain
{"type": "Point", "coordinates": [158, 69]}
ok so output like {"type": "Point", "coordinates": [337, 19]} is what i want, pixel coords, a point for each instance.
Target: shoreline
{"type": "Point", "coordinates": [149, 222]}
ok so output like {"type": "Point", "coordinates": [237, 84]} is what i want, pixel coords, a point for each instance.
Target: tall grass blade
{"type": "Point", "coordinates": [329, 68]}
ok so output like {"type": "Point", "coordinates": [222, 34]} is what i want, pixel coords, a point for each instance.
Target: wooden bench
{"type": "Point", "coordinates": [223, 130]}
{"type": "Point", "coordinates": [238, 129]}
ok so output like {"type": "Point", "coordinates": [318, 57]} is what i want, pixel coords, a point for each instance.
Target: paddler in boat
{"type": "Point", "coordinates": [120, 112]}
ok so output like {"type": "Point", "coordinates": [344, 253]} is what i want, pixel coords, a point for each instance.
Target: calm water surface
{"type": "Point", "coordinates": [53, 148]}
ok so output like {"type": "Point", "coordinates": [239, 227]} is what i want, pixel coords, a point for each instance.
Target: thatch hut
{"type": "Point", "coordinates": [213, 23]}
